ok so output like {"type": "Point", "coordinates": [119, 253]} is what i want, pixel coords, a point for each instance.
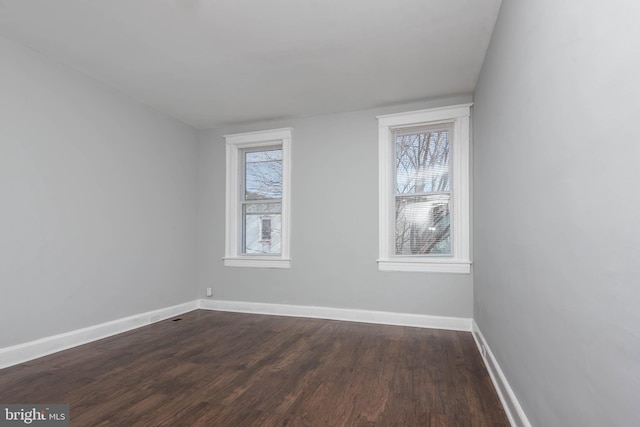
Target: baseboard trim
{"type": "Point", "coordinates": [21, 353]}
{"type": "Point", "coordinates": [349, 315]}
{"type": "Point", "coordinates": [510, 402]}
{"type": "Point", "coordinates": [25, 352]}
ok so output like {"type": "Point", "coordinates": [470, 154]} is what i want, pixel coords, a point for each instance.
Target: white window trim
{"type": "Point", "coordinates": [460, 262]}
{"type": "Point", "coordinates": [234, 144]}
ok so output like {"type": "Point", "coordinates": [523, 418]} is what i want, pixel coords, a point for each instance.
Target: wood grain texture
{"type": "Point", "coordinates": [230, 369]}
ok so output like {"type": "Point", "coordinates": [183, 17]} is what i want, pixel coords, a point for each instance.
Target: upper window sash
{"type": "Point", "coordinates": [458, 260]}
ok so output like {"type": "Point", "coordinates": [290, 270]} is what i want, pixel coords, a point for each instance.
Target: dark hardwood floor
{"type": "Point", "coordinates": [229, 369]}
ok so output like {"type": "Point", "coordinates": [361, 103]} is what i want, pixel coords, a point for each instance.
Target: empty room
{"type": "Point", "coordinates": [319, 213]}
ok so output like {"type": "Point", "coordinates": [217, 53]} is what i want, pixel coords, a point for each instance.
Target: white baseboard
{"type": "Point", "coordinates": [350, 315]}
{"type": "Point", "coordinates": [512, 407]}
{"type": "Point", "coordinates": [21, 353]}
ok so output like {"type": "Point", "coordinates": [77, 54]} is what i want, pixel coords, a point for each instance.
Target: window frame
{"type": "Point", "coordinates": [460, 261]}
{"type": "Point", "coordinates": [236, 144]}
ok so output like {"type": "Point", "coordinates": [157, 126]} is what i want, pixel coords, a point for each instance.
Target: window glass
{"type": "Point", "coordinates": [254, 218]}
{"type": "Point", "coordinates": [263, 174]}
{"type": "Point", "coordinates": [422, 191]}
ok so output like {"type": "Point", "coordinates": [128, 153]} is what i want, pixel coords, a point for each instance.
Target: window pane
{"type": "Point", "coordinates": [422, 160]}
{"type": "Point", "coordinates": [423, 225]}
{"type": "Point", "coordinates": [263, 208]}
{"type": "Point", "coordinates": [262, 228]}
{"type": "Point", "coordinates": [265, 229]}
{"type": "Point", "coordinates": [263, 175]}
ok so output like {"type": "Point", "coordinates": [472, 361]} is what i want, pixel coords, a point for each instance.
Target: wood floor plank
{"type": "Point", "coordinates": [231, 369]}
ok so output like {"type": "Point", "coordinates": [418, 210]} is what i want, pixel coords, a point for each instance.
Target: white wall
{"type": "Point", "coordinates": [334, 243]}
{"type": "Point", "coordinates": [557, 241]}
{"type": "Point", "coordinates": [97, 202]}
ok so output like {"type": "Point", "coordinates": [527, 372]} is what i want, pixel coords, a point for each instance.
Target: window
{"type": "Point", "coordinates": [257, 199]}
{"type": "Point", "coordinates": [265, 230]}
{"type": "Point", "coordinates": [424, 190]}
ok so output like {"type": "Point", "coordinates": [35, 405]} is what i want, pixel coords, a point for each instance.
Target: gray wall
{"type": "Point", "coordinates": [334, 243]}
{"type": "Point", "coordinates": [557, 167]}
{"type": "Point", "coordinates": [97, 202]}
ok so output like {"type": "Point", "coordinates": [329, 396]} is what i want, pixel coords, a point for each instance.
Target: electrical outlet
{"type": "Point", "coordinates": [209, 292]}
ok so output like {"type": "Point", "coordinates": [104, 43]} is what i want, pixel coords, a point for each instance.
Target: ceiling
{"type": "Point", "coordinates": [210, 63]}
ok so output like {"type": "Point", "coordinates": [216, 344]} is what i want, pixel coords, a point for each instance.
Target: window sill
{"type": "Point", "coordinates": [257, 262]}
{"type": "Point", "coordinates": [439, 266]}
